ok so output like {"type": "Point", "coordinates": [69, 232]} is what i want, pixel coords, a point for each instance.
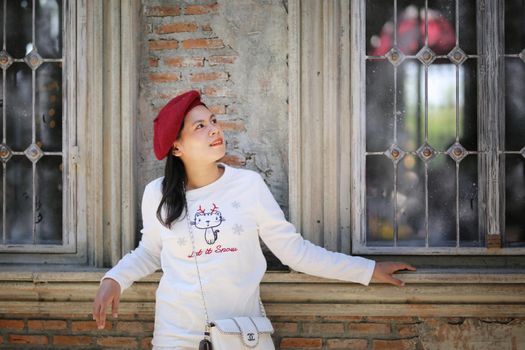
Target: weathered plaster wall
{"type": "Point", "coordinates": [235, 53]}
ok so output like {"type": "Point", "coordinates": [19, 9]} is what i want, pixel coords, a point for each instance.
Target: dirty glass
{"type": "Point", "coordinates": [421, 124]}
{"type": "Point", "coordinates": [514, 123]}
{"type": "Point", "coordinates": [31, 108]}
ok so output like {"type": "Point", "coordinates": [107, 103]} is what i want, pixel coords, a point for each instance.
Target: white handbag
{"type": "Point", "coordinates": [242, 333]}
{"type": "Point", "coordinates": [236, 333]}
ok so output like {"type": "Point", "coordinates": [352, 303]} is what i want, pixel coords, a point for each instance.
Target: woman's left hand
{"type": "Point", "coordinates": [383, 272]}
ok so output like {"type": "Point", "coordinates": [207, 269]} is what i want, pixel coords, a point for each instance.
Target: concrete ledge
{"type": "Point", "coordinates": [430, 293]}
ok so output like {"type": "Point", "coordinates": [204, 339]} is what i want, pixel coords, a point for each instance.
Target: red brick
{"type": "Point", "coordinates": [11, 324]}
{"type": "Point", "coordinates": [146, 343]}
{"type": "Point", "coordinates": [347, 344]}
{"type": "Point", "coordinates": [369, 328]}
{"type": "Point", "coordinates": [302, 343]}
{"type": "Point", "coordinates": [388, 319]}
{"type": "Point", "coordinates": [217, 109]}
{"type": "Point", "coordinates": [177, 28]}
{"type": "Point", "coordinates": [293, 318]}
{"type": "Point", "coordinates": [179, 61]}
{"type": "Point", "coordinates": [203, 44]}
{"type": "Point", "coordinates": [200, 77]}
{"type": "Point", "coordinates": [402, 344]}
{"type": "Point", "coordinates": [217, 91]}
{"type": "Point", "coordinates": [72, 340]}
{"type": "Point", "coordinates": [343, 318]}
{"type": "Point", "coordinates": [232, 160]}
{"type": "Point", "coordinates": [120, 342]}
{"type": "Point", "coordinates": [163, 77]}
{"type": "Point", "coordinates": [46, 324]}
{"type": "Point", "coordinates": [163, 44]}
{"type": "Point", "coordinates": [162, 11]}
{"type": "Point", "coordinates": [27, 339]}
{"type": "Point", "coordinates": [88, 326]}
{"type": "Point", "coordinates": [323, 328]}
{"type": "Point", "coordinates": [200, 9]}
{"type": "Point", "coordinates": [153, 61]}
{"type": "Point", "coordinates": [216, 60]}
{"type": "Point", "coordinates": [206, 28]}
{"type": "Point", "coordinates": [285, 327]}
{"type": "Point", "coordinates": [135, 327]}
{"type": "Point", "coordinates": [407, 330]}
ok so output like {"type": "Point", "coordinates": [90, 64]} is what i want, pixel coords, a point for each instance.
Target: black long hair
{"type": "Point", "coordinates": [173, 191]}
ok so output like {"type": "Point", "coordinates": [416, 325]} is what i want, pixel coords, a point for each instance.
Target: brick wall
{"type": "Point", "coordinates": [237, 62]}
{"type": "Point", "coordinates": [359, 333]}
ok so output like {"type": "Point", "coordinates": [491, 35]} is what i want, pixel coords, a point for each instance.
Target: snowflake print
{"type": "Point", "coordinates": [236, 204]}
{"type": "Point", "coordinates": [181, 241]}
{"type": "Point", "coordinates": [238, 229]}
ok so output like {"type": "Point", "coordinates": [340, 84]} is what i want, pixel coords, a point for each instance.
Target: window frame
{"type": "Point", "coordinates": [490, 78]}
{"type": "Point", "coordinates": [102, 101]}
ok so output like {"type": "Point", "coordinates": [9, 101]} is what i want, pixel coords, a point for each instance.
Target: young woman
{"type": "Point", "coordinates": [221, 211]}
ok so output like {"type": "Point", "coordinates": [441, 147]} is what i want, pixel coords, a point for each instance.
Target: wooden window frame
{"type": "Point", "coordinates": [326, 132]}
{"type": "Point", "coordinates": [100, 94]}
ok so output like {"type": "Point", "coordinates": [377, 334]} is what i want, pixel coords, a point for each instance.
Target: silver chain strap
{"type": "Point", "coordinates": [198, 271]}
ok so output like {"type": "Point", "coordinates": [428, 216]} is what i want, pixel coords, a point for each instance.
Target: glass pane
{"type": "Point", "coordinates": [410, 26]}
{"type": "Point", "coordinates": [48, 17]}
{"type": "Point", "coordinates": [467, 27]}
{"type": "Point", "coordinates": [18, 106]}
{"type": "Point", "coordinates": [515, 199]}
{"type": "Point", "coordinates": [19, 27]}
{"type": "Point", "coordinates": [514, 26]}
{"type": "Point", "coordinates": [49, 107]}
{"type": "Point", "coordinates": [379, 105]}
{"type": "Point", "coordinates": [468, 106]}
{"type": "Point", "coordinates": [2, 172]}
{"type": "Point", "coordinates": [411, 201]}
{"type": "Point", "coordinates": [49, 200]}
{"type": "Point", "coordinates": [19, 193]}
{"type": "Point", "coordinates": [514, 104]}
{"type": "Point", "coordinates": [441, 25]}
{"type": "Point", "coordinates": [442, 201]}
{"type": "Point", "coordinates": [468, 202]}
{"type": "Point", "coordinates": [379, 206]}
{"type": "Point", "coordinates": [410, 128]}
{"type": "Point", "coordinates": [379, 27]}
{"type": "Point", "coordinates": [441, 104]}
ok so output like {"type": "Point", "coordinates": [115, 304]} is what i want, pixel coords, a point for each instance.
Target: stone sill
{"type": "Point", "coordinates": [428, 293]}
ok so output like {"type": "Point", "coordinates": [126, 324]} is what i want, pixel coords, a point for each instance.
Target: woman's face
{"type": "Point", "coordinates": [201, 139]}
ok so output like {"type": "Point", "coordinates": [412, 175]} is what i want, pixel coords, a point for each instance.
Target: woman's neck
{"type": "Point", "coordinates": [202, 175]}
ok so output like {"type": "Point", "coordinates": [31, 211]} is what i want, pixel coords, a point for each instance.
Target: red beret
{"type": "Point", "coordinates": [167, 125]}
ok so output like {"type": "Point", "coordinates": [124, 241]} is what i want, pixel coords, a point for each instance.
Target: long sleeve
{"type": "Point", "coordinates": [282, 239]}
{"type": "Point", "coordinates": [145, 259]}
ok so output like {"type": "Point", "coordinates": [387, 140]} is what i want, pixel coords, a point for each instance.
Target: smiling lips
{"type": "Point", "coordinates": [217, 142]}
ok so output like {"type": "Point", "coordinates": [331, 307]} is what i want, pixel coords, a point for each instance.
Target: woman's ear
{"type": "Point", "coordinates": [176, 149]}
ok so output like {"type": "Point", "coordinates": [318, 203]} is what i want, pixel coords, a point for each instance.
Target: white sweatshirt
{"type": "Point", "coordinates": [227, 218]}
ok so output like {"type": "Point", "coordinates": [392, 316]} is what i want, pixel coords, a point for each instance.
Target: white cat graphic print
{"type": "Point", "coordinates": [208, 221]}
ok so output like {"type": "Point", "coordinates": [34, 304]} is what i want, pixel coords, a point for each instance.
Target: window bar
{"type": "Point", "coordinates": [4, 164]}
{"type": "Point", "coordinates": [457, 127]}
{"type": "Point", "coordinates": [426, 128]}
{"type": "Point", "coordinates": [33, 75]}
{"type": "Point", "coordinates": [395, 129]}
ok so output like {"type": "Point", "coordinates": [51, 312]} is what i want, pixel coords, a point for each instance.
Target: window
{"type": "Point", "coordinates": [439, 162]}
{"type": "Point", "coordinates": [35, 142]}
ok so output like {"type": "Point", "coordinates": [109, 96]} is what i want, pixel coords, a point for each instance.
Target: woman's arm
{"type": "Point", "coordinates": [301, 255]}
{"type": "Point", "coordinates": [142, 261]}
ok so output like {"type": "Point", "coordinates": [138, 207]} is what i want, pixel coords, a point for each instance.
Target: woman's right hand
{"type": "Point", "coordinates": [108, 293]}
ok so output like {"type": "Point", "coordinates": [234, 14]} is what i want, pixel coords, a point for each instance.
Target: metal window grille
{"type": "Point", "coordinates": [436, 174]}
{"type": "Point", "coordinates": [32, 137]}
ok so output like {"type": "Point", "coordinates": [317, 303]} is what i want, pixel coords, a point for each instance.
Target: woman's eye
{"type": "Point", "coordinates": [199, 126]}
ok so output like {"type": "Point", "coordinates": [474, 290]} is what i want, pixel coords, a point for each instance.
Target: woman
{"type": "Point", "coordinates": [210, 211]}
